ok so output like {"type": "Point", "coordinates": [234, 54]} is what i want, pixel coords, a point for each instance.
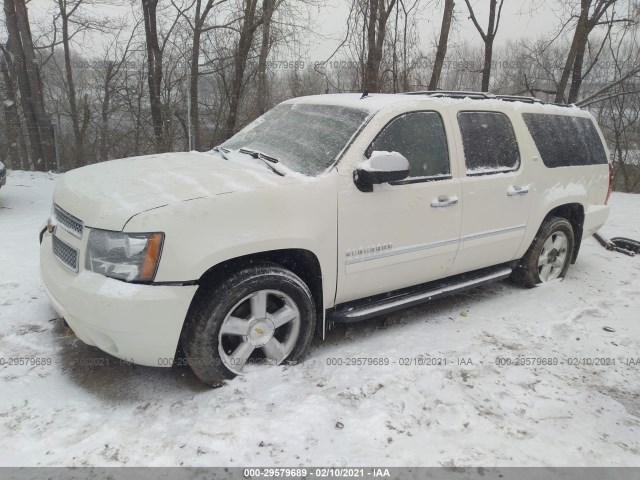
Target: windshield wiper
{"type": "Point", "coordinates": [258, 154]}
{"type": "Point", "coordinates": [222, 151]}
{"type": "Point", "coordinates": [267, 159]}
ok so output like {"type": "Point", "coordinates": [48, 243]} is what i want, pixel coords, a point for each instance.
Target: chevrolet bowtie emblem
{"type": "Point", "coordinates": [259, 331]}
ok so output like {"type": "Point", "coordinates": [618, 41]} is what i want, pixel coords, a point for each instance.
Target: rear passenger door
{"type": "Point", "coordinates": [495, 190]}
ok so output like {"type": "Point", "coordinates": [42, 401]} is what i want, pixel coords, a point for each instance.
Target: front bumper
{"type": "Point", "coordinates": [137, 323]}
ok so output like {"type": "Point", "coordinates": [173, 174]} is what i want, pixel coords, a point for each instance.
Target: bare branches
{"type": "Point", "coordinates": [473, 18]}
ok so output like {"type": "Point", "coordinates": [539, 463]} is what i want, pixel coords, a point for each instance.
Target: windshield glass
{"type": "Point", "coordinates": [305, 138]}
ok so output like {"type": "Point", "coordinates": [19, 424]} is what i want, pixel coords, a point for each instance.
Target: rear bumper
{"type": "Point", "coordinates": [137, 323]}
{"type": "Point", "coordinates": [594, 218]}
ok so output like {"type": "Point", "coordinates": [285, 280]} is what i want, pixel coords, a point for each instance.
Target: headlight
{"type": "Point", "coordinates": [132, 257]}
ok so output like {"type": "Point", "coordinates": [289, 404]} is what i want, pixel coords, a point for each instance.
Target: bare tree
{"type": "Point", "coordinates": [198, 28]}
{"type": "Point", "coordinates": [488, 37]}
{"type": "Point", "coordinates": [376, 17]}
{"type": "Point", "coordinates": [17, 148]}
{"type": "Point", "coordinates": [443, 43]}
{"type": "Point", "coordinates": [37, 121]}
{"type": "Point", "coordinates": [249, 24]}
{"type": "Point", "coordinates": [112, 67]}
{"type": "Point", "coordinates": [268, 8]}
{"type": "Point", "coordinates": [154, 65]}
{"type": "Point", "coordinates": [79, 114]}
{"type": "Point", "coordinates": [591, 13]}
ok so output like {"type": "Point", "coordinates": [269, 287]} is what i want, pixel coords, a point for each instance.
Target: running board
{"type": "Point", "coordinates": [390, 303]}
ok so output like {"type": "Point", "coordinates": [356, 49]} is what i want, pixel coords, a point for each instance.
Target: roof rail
{"type": "Point", "coordinates": [480, 96]}
{"type": "Point", "coordinates": [452, 94]}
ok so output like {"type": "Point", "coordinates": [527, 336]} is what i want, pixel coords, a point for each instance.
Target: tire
{"type": "Point", "coordinates": [549, 255]}
{"type": "Point", "coordinates": [268, 315]}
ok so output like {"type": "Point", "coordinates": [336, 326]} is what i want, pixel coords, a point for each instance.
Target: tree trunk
{"type": "Point", "coordinates": [376, 31]}
{"type": "Point", "coordinates": [19, 158]}
{"type": "Point", "coordinates": [267, 13]}
{"type": "Point", "coordinates": [579, 34]}
{"type": "Point", "coordinates": [370, 81]}
{"type": "Point", "coordinates": [194, 112]}
{"type": "Point", "coordinates": [443, 43]}
{"type": "Point", "coordinates": [240, 64]}
{"type": "Point", "coordinates": [78, 154]}
{"type": "Point", "coordinates": [154, 64]}
{"type": "Point", "coordinates": [488, 37]}
{"type": "Point", "coordinates": [103, 149]}
{"type": "Point", "coordinates": [37, 121]}
{"type": "Point", "coordinates": [575, 59]}
{"type": "Point", "coordinates": [486, 70]}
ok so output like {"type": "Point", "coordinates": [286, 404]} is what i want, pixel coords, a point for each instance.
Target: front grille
{"type": "Point", "coordinates": [67, 221]}
{"type": "Point", "coordinates": [65, 253]}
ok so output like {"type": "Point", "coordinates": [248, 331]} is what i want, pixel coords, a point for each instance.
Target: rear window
{"type": "Point", "coordinates": [489, 143]}
{"type": "Point", "coordinates": [565, 141]}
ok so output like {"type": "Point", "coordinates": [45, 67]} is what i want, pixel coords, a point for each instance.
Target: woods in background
{"type": "Point", "coordinates": [168, 75]}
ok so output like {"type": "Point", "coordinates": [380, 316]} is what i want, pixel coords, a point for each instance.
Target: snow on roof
{"type": "Point", "coordinates": [375, 102]}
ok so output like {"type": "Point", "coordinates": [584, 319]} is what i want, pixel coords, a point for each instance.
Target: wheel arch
{"type": "Point", "coordinates": [303, 263]}
{"type": "Point", "coordinates": [574, 214]}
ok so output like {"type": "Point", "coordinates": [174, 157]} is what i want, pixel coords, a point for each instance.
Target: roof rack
{"type": "Point", "coordinates": [481, 96]}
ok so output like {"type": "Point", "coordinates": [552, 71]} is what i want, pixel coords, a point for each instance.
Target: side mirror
{"type": "Point", "coordinates": [381, 167]}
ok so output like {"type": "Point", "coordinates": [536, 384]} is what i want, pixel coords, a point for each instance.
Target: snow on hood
{"type": "Point", "coordinates": [106, 195]}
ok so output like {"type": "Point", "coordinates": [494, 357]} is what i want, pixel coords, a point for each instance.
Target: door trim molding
{"type": "Point", "coordinates": [401, 251]}
{"type": "Point", "coordinates": [499, 231]}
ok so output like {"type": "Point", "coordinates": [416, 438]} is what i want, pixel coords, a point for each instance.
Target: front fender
{"type": "Point", "coordinates": [205, 232]}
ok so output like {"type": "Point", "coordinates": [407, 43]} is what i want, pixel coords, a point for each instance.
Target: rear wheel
{"type": "Point", "coordinates": [256, 318]}
{"type": "Point", "coordinates": [549, 255]}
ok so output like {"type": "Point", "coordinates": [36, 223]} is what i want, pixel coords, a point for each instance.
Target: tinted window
{"type": "Point", "coordinates": [304, 137]}
{"type": "Point", "coordinates": [489, 142]}
{"type": "Point", "coordinates": [421, 138]}
{"type": "Point", "coordinates": [565, 141]}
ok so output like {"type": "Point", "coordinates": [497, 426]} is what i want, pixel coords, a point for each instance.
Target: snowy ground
{"type": "Point", "coordinates": [469, 412]}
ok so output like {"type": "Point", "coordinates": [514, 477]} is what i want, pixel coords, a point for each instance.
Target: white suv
{"type": "Point", "coordinates": [327, 208]}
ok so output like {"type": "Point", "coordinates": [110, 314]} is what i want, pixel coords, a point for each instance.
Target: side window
{"type": "Point", "coordinates": [489, 142]}
{"type": "Point", "coordinates": [565, 141]}
{"type": "Point", "coordinates": [421, 138]}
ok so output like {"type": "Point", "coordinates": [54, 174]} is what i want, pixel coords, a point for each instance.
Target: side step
{"type": "Point", "coordinates": [401, 299]}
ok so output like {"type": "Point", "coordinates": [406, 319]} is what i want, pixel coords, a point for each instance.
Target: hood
{"type": "Point", "coordinates": [106, 195]}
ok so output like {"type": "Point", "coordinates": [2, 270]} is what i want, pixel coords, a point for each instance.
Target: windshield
{"type": "Point", "coordinates": [303, 137]}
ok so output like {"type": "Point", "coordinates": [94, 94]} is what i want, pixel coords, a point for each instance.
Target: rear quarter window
{"type": "Point", "coordinates": [565, 141]}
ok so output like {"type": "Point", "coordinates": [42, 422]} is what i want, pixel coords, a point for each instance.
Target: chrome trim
{"type": "Point", "coordinates": [55, 239]}
{"type": "Point", "coordinates": [513, 191]}
{"type": "Point", "coordinates": [489, 233]}
{"type": "Point", "coordinates": [402, 251]}
{"type": "Point", "coordinates": [444, 201]}
{"type": "Point", "coordinates": [364, 312]}
{"type": "Point", "coordinates": [63, 216]}
{"type": "Point", "coordinates": [427, 246]}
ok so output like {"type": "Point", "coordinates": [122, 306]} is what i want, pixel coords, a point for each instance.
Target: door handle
{"type": "Point", "coordinates": [444, 201]}
{"type": "Point", "coordinates": [515, 190]}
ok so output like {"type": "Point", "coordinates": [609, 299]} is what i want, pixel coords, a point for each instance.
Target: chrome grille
{"type": "Point", "coordinates": [67, 221]}
{"type": "Point", "coordinates": [65, 253]}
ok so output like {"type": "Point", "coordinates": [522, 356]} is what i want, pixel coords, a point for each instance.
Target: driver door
{"type": "Point", "coordinates": [407, 232]}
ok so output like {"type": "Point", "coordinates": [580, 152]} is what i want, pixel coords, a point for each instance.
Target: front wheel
{"type": "Point", "coordinates": [256, 318]}
{"type": "Point", "coordinates": [549, 255]}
